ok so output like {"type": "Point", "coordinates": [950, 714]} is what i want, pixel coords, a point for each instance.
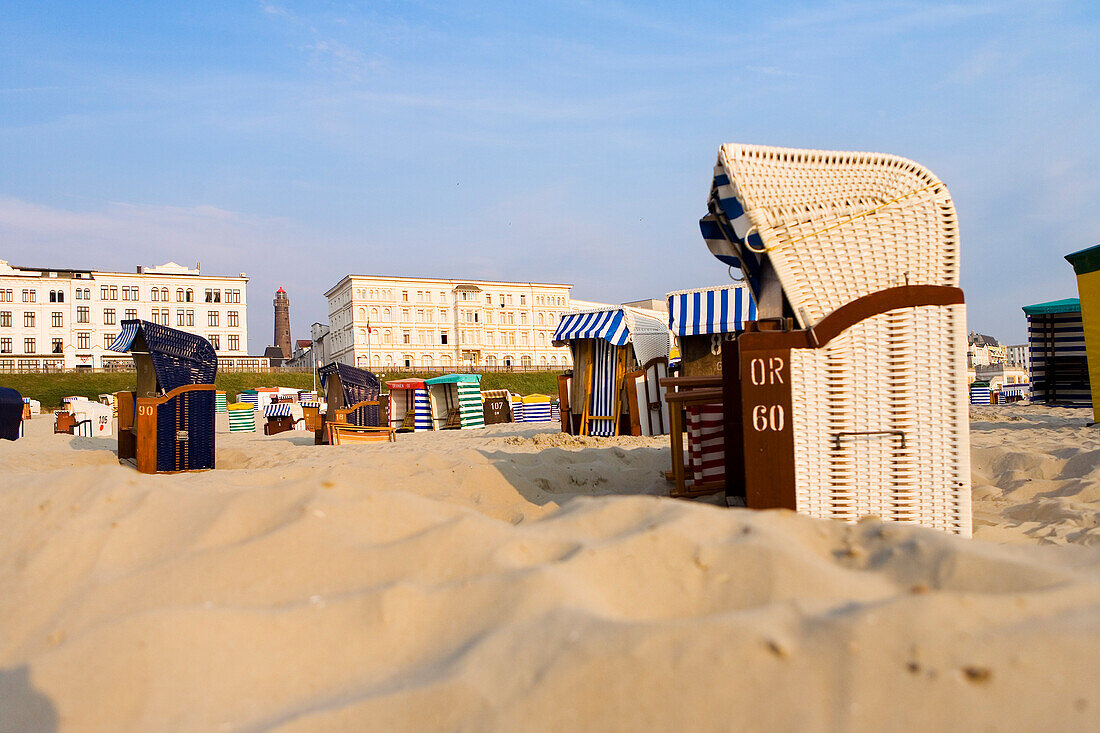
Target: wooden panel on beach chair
{"type": "Point", "coordinates": [64, 423]}
{"type": "Point", "coordinates": [342, 433]}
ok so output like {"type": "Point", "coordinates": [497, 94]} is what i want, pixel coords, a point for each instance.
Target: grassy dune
{"type": "Point", "coordinates": [50, 388]}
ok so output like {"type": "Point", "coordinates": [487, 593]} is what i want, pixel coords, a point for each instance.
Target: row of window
{"type": "Point", "coordinates": [428, 315]}
{"type": "Point", "coordinates": [84, 341]}
{"type": "Point", "coordinates": [128, 292]}
{"type": "Point", "coordinates": [487, 338]}
{"type": "Point", "coordinates": [426, 296]}
{"type": "Point", "coordinates": [161, 316]}
{"type": "Point", "coordinates": [428, 361]}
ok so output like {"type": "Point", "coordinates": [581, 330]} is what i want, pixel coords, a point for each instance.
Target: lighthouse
{"type": "Point", "coordinates": [282, 322]}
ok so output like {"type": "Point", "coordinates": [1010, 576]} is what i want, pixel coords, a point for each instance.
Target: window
{"type": "Point", "coordinates": [539, 319]}
{"type": "Point", "coordinates": [419, 315]}
{"type": "Point", "coordinates": [5, 318]}
{"type": "Point", "coordinates": [525, 360]}
{"type": "Point", "coordinates": [131, 314]}
{"type": "Point", "coordinates": [5, 295]}
{"type": "Point", "coordinates": [84, 340]}
{"type": "Point", "coordinates": [87, 293]}
{"type": "Point", "coordinates": [53, 296]}
{"type": "Point", "coordinates": [234, 342]}
{"type": "Point", "coordinates": [523, 300]}
{"type": "Point", "coordinates": [56, 320]}
{"type": "Point", "coordinates": [405, 315]}
{"type": "Point", "coordinates": [104, 292]}
{"type": "Point", "coordinates": [443, 338]}
{"type": "Point", "coordinates": [5, 346]}
{"type": "Point", "coordinates": [523, 318]}
{"type": "Point", "coordinates": [179, 316]}
{"type": "Point", "coordinates": [179, 295]}
{"type": "Point", "coordinates": [155, 294]}
{"type": "Point", "coordinates": [405, 339]}
{"type": "Point", "coordinates": [83, 314]}
{"type": "Point", "coordinates": [386, 338]}
{"type": "Point", "coordinates": [488, 298]}
{"type": "Point", "coordinates": [215, 341]}
{"type": "Point", "coordinates": [430, 314]}
{"type": "Point", "coordinates": [234, 320]}
{"type": "Point", "coordinates": [405, 296]}
{"type": "Point", "coordinates": [509, 299]}
{"type": "Point", "coordinates": [29, 296]}
{"type": "Point", "coordinates": [108, 339]}
{"type": "Point", "coordinates": [28, 319]}
{"type": "Point", "coordinates": [189, 296]}
{"type": "Point", "coordinates": [108, 316]}
{"type": "Point", "coordinates": [490, 361]}
{"type": "Point", "coordinates": [56, 346]}
{"type": "Point", "coordinates": [212, 318]}
{"type": "Point", "coordinates": [78, 294]}
{"type": "Point", "coordinates": [388, 314]}
{"type": "Point", "coordinates": [28, 346]}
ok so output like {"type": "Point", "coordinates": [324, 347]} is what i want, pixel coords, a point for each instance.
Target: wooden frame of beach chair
{"type": "Point", "coordinates": [496, 407]}
{"type": "Point", "coordinates": [682, 394]}
{"type": "Point", "coordinates": [849, 397]}
{"type": "Point", "coordinates": [167, 425]}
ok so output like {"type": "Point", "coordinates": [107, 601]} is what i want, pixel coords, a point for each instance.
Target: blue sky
{"type": "Point", "coordinates": [566, 142]}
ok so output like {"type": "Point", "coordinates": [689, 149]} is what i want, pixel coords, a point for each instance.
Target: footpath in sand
{"type": "Point", "coordinates": [515, 579]}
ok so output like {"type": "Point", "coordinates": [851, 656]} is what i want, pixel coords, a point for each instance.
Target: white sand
{"type": "Point", "coordinates": [512, 579]}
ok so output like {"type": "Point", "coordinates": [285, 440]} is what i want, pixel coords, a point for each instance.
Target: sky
{"type": "Point", "coordinates": [561, 142]}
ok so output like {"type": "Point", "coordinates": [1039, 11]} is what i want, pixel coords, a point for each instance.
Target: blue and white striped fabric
{"type": "Point", "coordinates": [711, 310]}
{"type": "Point", "coordinates": [725, 227]}
{"type": "Point", "coordinates": [305, 397]}
{"type": "Point", "coordinates": [277, 409]}
{"type": "Point", "coordinates": [1022, 391]}
{"type": "Point", "coordinates": [311, 404]}
{"type": "Point", "coordinates": [422, 411]}
{"type": "Point", "coordinates": [555, 412]}
{"type": "Point", "coordinates": [517, 410]}
{"type": "Point", "coordinates": [537, 412]}
{"type": "Point", "coordinates": [252, 399]}
{"type": "Point", "coordinates": [601, 421]}
{"type": "Point", "coordinates": [125, 338]}
{"type": "Point", "coordinates": [979, 394]}
{"type": "Point", "coordinates": [609, 325]}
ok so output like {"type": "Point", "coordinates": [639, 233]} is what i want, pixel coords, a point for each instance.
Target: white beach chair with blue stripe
{"type": "Point", "coordinates": [606, 343]}
{"type": "Point", "coordinates": [860, 403]}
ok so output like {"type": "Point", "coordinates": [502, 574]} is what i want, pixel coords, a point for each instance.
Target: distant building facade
{"type": "Point", "coordinates": [444, 323]}
{"type": "Point", "coordinates": [63, 318]}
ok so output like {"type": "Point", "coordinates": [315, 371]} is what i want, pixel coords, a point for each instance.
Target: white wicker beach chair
{"type": "Point", "coordinates": [861, 250]}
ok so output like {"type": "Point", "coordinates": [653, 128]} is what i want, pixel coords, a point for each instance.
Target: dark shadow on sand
{"type": "Point", "coordinates": [24, 709]}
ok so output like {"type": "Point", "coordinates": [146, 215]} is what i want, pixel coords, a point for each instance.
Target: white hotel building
{"type": "Point", "coordinates": [58, 318]}
{"type": "Point", "coordinates": [437, 324]}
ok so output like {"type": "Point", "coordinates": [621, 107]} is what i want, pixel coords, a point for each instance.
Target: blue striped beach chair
{"type": "Point", "coordinates": [611, 348]}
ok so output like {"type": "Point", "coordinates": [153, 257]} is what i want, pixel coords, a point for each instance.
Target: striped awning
{"type": "Point", "coordinates": [707, 311]}
{"type": "Point", "coordinates": [125, 338]}
{"type": "Point", "coordinates": [724, 229]}
{"type": "Point", "coordinates": [277, 409]}
{"type": "Point", "coordinates": [609, 325]}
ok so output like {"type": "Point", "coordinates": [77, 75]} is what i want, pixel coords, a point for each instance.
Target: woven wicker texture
{"type": "Point", "coordinates": [841, 225]}
{"type": "Point", "coordinates": [11, 413]}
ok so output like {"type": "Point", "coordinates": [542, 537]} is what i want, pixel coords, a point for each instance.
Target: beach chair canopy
{"type": "Point", "coordinates": [816, 214]}
{"type": "Point", "coordinates": [405, 384]}
{"type": "Point", "coordinates": [358, 384]}
{"type": "Point", "coordinates": [179, 358]}
{"type": "Point", "coordinates": [710, 310]}
{"type": "Point", "coordinates": [617, 326]}
{"type": "Point", "coordinates": [453, 379]}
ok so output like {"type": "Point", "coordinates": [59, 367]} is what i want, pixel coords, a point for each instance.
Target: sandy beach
{"type": "Point", "coordinates": [518, 579]}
